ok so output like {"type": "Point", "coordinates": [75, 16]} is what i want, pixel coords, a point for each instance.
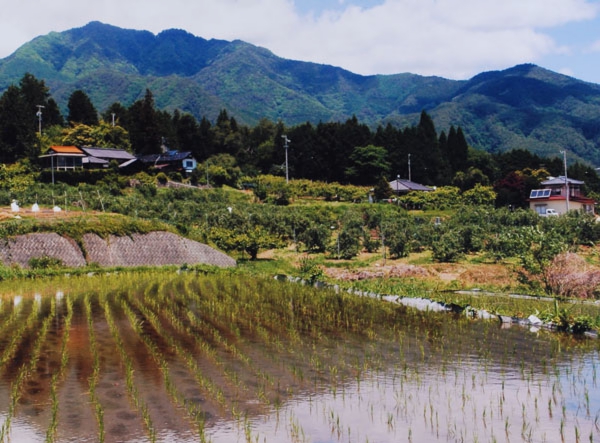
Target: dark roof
{"type": "Point", "coordinates": [167, 157]}
{"type": "Point", "coordinates": [401, 185]}
{"type": "Point", "coordinates": [557, 181]}
{"type": "Point", "coordinates": [108, 153]}
{"type": "Point", "coordinates": [94, 161]}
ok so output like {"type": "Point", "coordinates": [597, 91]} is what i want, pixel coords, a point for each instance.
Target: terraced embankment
{"type": "Point", "coordinates": [151, 249]}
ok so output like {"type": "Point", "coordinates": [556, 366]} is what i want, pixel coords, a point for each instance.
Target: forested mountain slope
{"type": "Point", "coordinates": [522, 107]}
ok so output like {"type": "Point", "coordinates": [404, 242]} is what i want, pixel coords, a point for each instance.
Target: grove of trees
{"type": "Point", "coordinates": [345, 152]}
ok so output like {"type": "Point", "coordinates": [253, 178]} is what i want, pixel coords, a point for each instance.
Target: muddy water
{"type": "Point", "coordinates": [180, 358]}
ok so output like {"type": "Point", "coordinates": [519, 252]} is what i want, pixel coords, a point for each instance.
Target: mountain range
{"type": "Point", "coordinates": [525, 106]}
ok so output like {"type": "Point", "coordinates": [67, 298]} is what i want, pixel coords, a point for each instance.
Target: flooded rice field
{"type": "Point", "coordinates": [186, 358]}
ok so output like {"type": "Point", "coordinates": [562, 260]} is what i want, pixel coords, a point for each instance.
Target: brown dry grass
{"type": "Point", "coordinates": [458, 275]}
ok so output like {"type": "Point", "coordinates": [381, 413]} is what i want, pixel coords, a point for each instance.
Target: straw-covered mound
{"type": "Point", "coordinates": [151, 249]}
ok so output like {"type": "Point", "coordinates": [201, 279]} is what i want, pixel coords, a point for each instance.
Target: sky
{"type": "Point", "coordinates": [454, 39]}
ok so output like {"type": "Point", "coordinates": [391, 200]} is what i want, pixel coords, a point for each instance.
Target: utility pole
{"type": "Point", "coordinates": [409, 174]}
{"type": "Point", "coordinates": [285, 145]}
{"type": "Point", "coordinates": [564, 153]}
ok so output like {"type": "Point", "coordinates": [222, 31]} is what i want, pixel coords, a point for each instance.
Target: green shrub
{"type": "Point", "coordinates": [310, 270]}
{"type": "Point", "coordinates": [347, 245]}
{"type": "Point", "coordinates": [162, 178]}
{"type": "Point", "coordinates": [315, 237]}
{"type": "Point", "coordinates": [448, 248]}
{"type": "Point", "coordinates": [45, 262]}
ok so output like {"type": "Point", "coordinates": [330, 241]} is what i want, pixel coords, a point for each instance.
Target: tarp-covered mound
{"type": "Point", "coordinates": [152, 249]}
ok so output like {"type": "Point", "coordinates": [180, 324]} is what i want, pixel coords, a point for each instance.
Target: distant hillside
{"type": "Point", "coordinates": [522, 107]}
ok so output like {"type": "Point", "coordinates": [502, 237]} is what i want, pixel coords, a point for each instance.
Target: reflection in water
{"type": "Point", "coordinates": [182, 358]}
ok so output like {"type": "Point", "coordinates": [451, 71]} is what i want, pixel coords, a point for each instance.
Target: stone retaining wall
{"type": "Point", "coordinates": [152, 249]}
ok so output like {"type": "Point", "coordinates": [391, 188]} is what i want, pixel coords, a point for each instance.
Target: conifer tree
{"type": "Point", "coordinates": [81, 109]}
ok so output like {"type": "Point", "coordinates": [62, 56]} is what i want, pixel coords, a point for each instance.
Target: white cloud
{"type": "Point", "coordinates": [566, 71]}
{"type": "Point", "coordinates": [450, 38]}
{"type": "Point", "coordinates": [453, 38]}
{"type": "Point", "coordinates": [594, 47]}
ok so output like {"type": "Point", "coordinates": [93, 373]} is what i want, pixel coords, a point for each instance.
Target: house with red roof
{"type": "Point", "coordinates": [560, 195]}
{"type": "Point", "coordinates": [62, 158]}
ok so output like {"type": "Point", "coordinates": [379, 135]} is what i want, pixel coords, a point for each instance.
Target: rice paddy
{"type": "Point", "coordinates": [166, 357]}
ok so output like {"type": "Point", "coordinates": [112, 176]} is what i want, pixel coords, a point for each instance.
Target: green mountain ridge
{"type": "Point", "coordinates": [525, 106]}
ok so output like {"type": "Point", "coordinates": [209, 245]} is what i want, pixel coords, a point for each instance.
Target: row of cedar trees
{"type": "Point", "coordinates": [344, 152]}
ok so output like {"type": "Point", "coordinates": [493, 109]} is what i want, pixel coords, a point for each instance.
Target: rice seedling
{"type": "Point", "coordinates": [52, 427]}
{"type": "Point", "coordinates": [192, 410]}
{"type": "Point", "coordinates": [25, 370]}
{"type": "Point", "coordinates": [132, 390]}
{"type": "Point", "coordinates": [93, 380]}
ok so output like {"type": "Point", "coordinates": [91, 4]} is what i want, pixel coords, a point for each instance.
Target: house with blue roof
{"type": "Point", "coordinates": [171, 161]}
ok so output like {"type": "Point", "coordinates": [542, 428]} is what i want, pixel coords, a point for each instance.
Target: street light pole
{"type": "Point", "coordinates": [285, 145]}
{"type": "Point", "coordinates": [39, 116]}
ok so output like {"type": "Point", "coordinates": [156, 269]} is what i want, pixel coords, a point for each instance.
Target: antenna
{"type": "Point", "coordinates": [285, 145]}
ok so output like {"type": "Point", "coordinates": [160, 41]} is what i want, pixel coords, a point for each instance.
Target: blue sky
{"type": "Point", "coordinates": [448, 38]}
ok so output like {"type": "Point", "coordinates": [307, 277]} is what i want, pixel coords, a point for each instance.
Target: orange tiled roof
{"type": "Point", "coordinates": [66, 149]}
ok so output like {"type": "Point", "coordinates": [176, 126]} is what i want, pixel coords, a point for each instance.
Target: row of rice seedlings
{"type": "Point", "coordinates": [28, 367]}
{"type": "Point", "coordinates": [229, 302]}
{"type": "Point", "coordinates": [251, 368]}
{"type": "Point", "coordinates": [57, 376]}
{"type": "Point", "coordinates": [132, 390]}
{"type": "Point", "coordinates": [199, 329]}
{"type": "Point", "coordinates": [178, 398]}
{"type": "Point", "coordinates": [174, 315]}
{"type": "Point", "coordinates": [93, 380]}
{"type": "Point", "coordinates": [4, 312]}
{"type": "Point", "coordinates": [205, 383]}
{"type": "Point", "coordinates": [252, 299]}
{"type": "Point", "coordinates": [243, 314]}
{"type": "Point", "coordinates": [316, 357]}
{"type": "Point", "coordinates": [170, 316]}
{"type": "Point", "coordinates": [14, 326]}
{"type": "Point", "coordinates": [245, 301]}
